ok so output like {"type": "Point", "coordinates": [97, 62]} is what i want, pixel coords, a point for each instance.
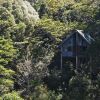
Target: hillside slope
{"type": "Point", "coordinates": [30, 33]}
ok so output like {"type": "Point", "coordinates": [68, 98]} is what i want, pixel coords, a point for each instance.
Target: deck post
{"type": "Point", "coordinates": [61, 58]}
{"type": "Point", "coordinates": [77, 53]}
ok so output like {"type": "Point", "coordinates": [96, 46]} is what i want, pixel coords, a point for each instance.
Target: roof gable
{"type": "Point", "coordinates": [86, 37]}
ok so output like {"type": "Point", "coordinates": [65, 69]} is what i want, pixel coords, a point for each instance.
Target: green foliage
{"type": "Point", "coordinates": [94, 58]}
{"type": "Point", "coordinates": [6, 21]}
{"type": "Point", "coordinates": [42, 93]}
{"type": "Point", "coordinates": [12, 96]}
{"type": "Point", "coordinates": [79, 87]}
{"type": "Point", "coordinates": [7, 51]}
{"type": "Point", "coordinates": [18, 32]}
{"type": "Point", "coordinates": [55, 28]}
{"type": "Point", "coordinates": [6, 72]}
{"type": "Point", "coordinates": [35, 46]}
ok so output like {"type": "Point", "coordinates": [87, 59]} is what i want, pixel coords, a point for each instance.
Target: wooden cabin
{"type": "Point", "coordinates": [75, 45]}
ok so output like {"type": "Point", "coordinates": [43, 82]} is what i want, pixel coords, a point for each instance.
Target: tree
{"type": "Point", "coordinates": [7, 54]}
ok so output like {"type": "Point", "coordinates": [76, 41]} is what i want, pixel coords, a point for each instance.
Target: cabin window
{"type": "Point", "coordinates": [69, 48]}
{"type": "Point", "coordinates": [69, 42]}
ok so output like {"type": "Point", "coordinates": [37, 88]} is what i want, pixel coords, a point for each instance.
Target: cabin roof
{"type": "Point", "coordinates": [86, 37]}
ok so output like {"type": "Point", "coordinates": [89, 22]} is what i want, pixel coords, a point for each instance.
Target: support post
{"type": "Point", "coordinates": [61, 58]}
{"type": "Point", "coordinates": [76, 62]}
{"type": "Point", "coordinates": [91, 66]}
{"type": "Point", "coordinates": [77, 52]}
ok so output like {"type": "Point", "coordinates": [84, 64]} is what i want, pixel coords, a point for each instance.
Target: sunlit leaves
{"type": "Point", "coordinates": [55, 28]}
{"type": "Point", "coordinates": [7, 51]}
{"type": "Point", "coordinates": [12, 96]}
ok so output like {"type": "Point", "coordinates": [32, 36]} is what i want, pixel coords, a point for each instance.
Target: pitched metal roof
{"type": "Point", "coordinates": [86, 37]}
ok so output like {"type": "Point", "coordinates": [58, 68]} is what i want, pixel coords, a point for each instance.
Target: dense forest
{"type": "Point", "coordinates": [30, 33]}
